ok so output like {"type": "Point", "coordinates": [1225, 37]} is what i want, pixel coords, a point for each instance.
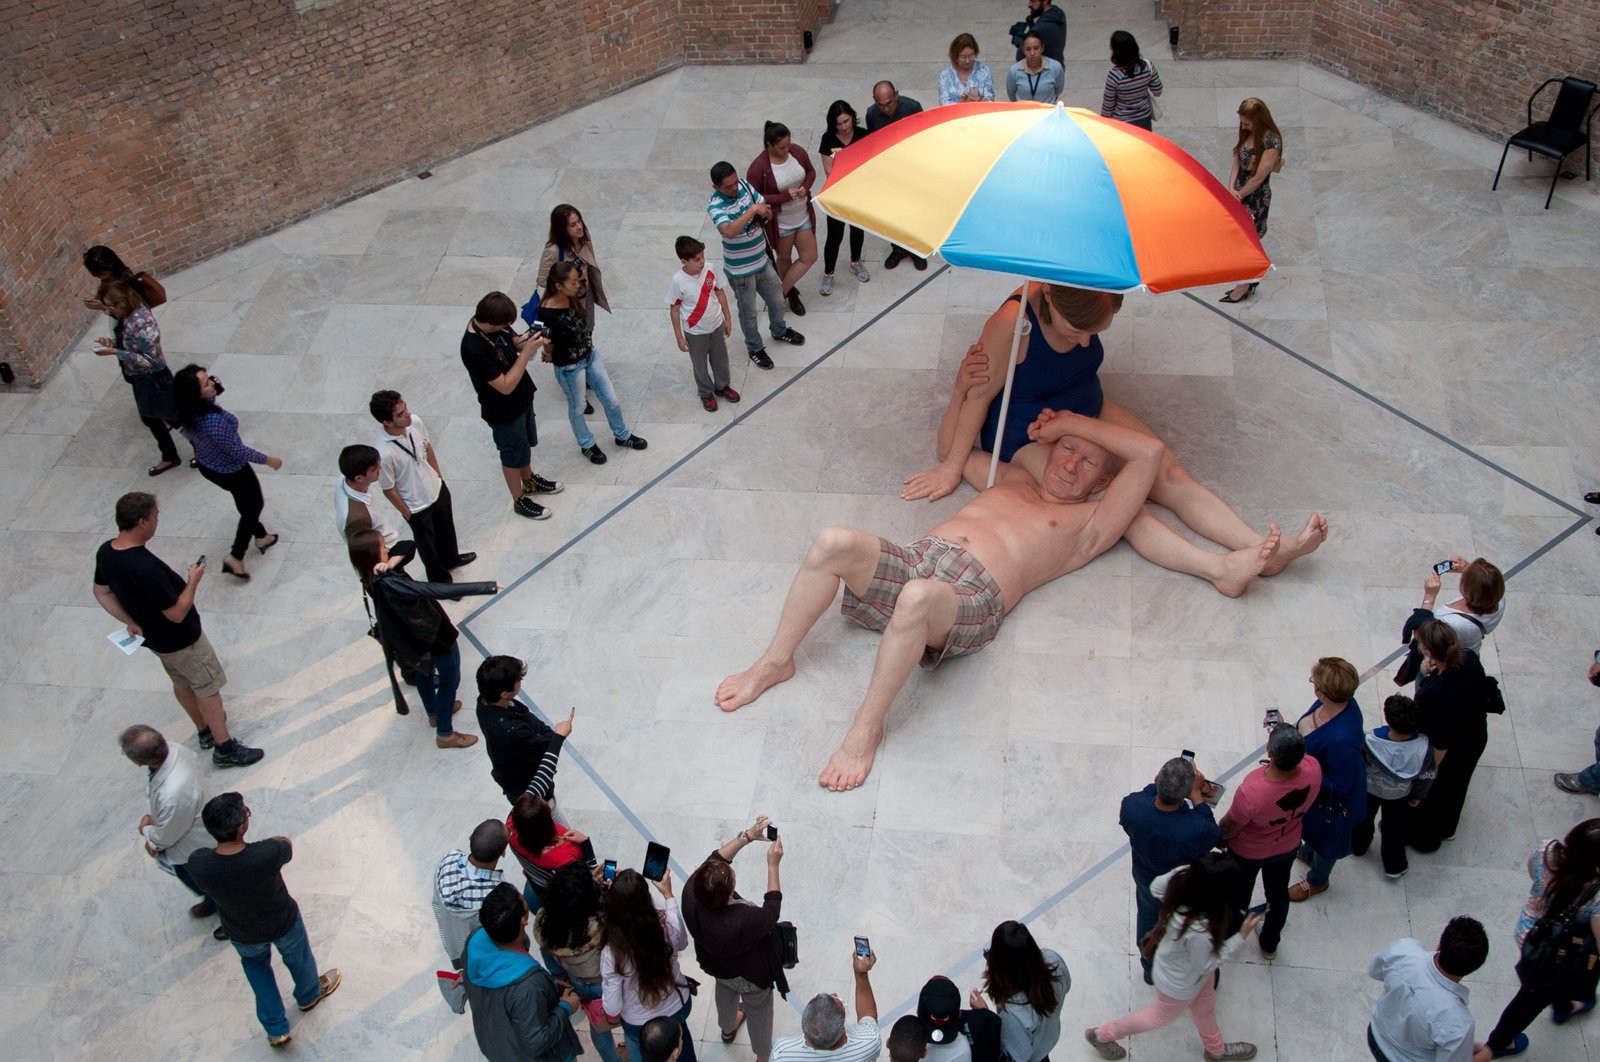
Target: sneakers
{"type": "Point", "coordinates": [632, 442]}
{"type": "Point", "coordinates": [1105, 1048]}
{"type": "Point", "coordinates": [796, 307]}
{"type": "Point", "coordinates": [537, 484]}
{"type": "Point", "coordinates": [729, 393]}
{"type": "Point", "coordinates": [1519, 1044]}
{"type": "Point", "coordinates": [826, 287]}
{"type": "Point", "coordinates": [789, 335]}
{"type": "Point", "coordinates": [329, 983]}
{"type": "Point", "coordinates": [457, 740]}
{"type": "Point", "coordinates": [860, 272]}
{"type": "Point", "coordinates": [761, 359]}
{"type": "Point", "coordinates": [1395, 875]}
{"type": "Point", "coordinates": [1236, 1049]}
{"type": "Point", "coordinates": [1567, 783]}
{"type": "Point", "coordinates": [526, 506]}
{"type": "Point", "coordinates": [207, 742]}
{"type": "Point", "coordinates": [233, 754]}
{"type": "Point", "coordinates": [594, 454]}
{"type": "Point", "coordinates": [278, 1041]}
{"type": "Point", "coordinates": [896, 256]}
{"type": "Point", "coordinates": [708, 403]}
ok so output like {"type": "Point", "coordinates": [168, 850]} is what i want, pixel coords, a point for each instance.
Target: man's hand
{"type": "Point", "coordinates": [564, 728]}
{"type": "Point", "coordinates": [1036, 429]}
{"type": "Point", "coordinates": [976, 1000]}
{"type": "Point", "coordinates": [274, 463]}
{"type": "Point", "coordinates": [151, 852]}
{"type": "Point", "coordinates": [135, 630]}
{"type": "Point", "coordinates": [145, 820]}
{"type": "Point", "coordinates": [570, 998]}
{"type": "Point", "coordinates": [727, 327]}
{"type": "Point", "coordinates": [862, 963]}
{"type": "Point", "coordinates": [933, 484]}
{"type": "Point", "coordinates": [775, 853]}
{"type": "Point", "coordinates": [196, 573]}
{"type": "Point", "coordinates": [974, 369]}
{"type": "Point", "coordinates": [762, 210]}
{"type": "Point", "coordinates": [1197, 795]}
{"type": "Point", "coordinates": [683, 344]}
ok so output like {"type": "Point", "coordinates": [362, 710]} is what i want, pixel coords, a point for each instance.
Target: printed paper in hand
{"type": "Point", "coordinates": [128, 643]}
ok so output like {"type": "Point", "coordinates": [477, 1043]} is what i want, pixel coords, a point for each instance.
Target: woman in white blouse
{"type": "Point", "coordinates": [639, 974]}
{"type": "Point", "coordinates": [1194, 935]}
{"type": "Point", "coordinates": [965, 80]}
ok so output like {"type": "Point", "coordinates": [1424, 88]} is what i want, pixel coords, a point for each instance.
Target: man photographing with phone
{"type": "Point", "coordinates": [1169, 824]}
{"type": "Point", "coordinates": [733, 936]}
{"type": "Point", "coordinates": [826, 1035]}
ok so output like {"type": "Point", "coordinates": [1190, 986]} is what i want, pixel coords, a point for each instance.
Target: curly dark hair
{"type": "Point", "coordinates": [636, 937]}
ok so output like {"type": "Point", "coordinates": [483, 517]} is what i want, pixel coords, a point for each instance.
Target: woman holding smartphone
{"type": "Point", "coordinates": [224, 459]}
{"type": "Point", "coordinates": [1197, 931]}
{"type": "Point", "coordinates": [1028, 986]}
{"type": "Point", "coordinates": [568, 931]}
{"type": "Point", "coordinates": [639, 974]}
{"type": "Point", "coordinates": [136, 344]}
{"type": "Point", "coordinates": [843, 129]}
{"type": "Point", "coordinates": [571, 350]}
{"type": "Point", "coordinates": [1450, 700]}
{"type": "Point", "coordinates": [733, 938]}
{"type": "Point", "coordinates": [543, 846]}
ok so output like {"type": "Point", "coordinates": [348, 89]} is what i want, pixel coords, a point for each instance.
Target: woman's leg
{"type": "Point", "coordinates": [786, 262]}
{"type": "Point", "coordinates": [245, 490]}
{"type": "Point", "coordinates": [804, 243]}
{"type": "Point", "coordinates": [163, 436]}
{"type": "Point", "coordinates": [830, 249]}
{"type": "Point", "coordinates": [1203, 1009]}
{"type": "Point", "coordinates": [1518, 1015]}
{"type": "Point", "coordinates": [570, 377]}
{"type": "Point", "coordinates": [758, 1019]}
{"type": "Point", "coordinates": [630, 1038]}
{"type": "Point", "coordinates": [1155, 1016]}
{"type": "Point", "coordinates": [727, 1002]}
{"type": "Point", "coordinates": [600, 381]}
{"type": "Point", "coordinates": [858, 239]}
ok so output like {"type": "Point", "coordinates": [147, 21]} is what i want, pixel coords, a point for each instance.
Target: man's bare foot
{"type": "Point", "coordinates": [1314, 534]}
{"type": "Point", "coordinates": [1240, 567]}
{"type": "Point", "coordinates": [851, 762]}
{"type": "Point", "coordinates": [736, 691]}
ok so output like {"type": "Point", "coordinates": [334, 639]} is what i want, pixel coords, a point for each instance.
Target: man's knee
{"type": "Point", "coordinates": [836, 546]}
{"type": "Point", "coordinates": [919, 598]}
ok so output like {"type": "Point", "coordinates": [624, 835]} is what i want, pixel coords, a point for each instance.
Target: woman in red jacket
{"type": "Point", "coordinates": [782, 174]}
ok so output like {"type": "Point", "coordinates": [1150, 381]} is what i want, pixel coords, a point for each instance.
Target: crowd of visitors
{"type": "Point", "coordinates": [581, 934]}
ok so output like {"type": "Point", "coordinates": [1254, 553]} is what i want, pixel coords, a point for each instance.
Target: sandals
{"type": "Point", "coordinates": [162, 466]}
{"type": "Point", "coordinates": [738, 1020]}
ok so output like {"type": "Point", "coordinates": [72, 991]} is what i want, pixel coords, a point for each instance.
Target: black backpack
{"type": "Point", "coordinates": [1559, 954]}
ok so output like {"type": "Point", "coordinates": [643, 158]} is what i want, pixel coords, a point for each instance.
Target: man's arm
{"type": "Point", "coordinates": [866, 1002]}
{"type": "Point", "coordinates": [677, 328]}
{"type": "Point", "coordinates": [398, 502]}
{"type": "Point", "coordinates": [174, 816]}
{"type": "Point", "coordinates": [1129, 488]}
{"type": "Point", "coordinates": [507, 381]}
{"type": "Point", "coordinates": [109, 602]}
{"type": "Point", "coordinates": [178, 611]}
{"type": "Point", "coordinates": [433, 460]}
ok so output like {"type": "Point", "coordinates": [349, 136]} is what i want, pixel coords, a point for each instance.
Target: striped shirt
{"type": "Point", "coordinates": [745, 254]}
{"type": "Point", "coordinates": [1127, 96]}
{"type": "Point", "coordinates": [863, 1043]}
{"type": "Point", "coordinates": [461, 885]}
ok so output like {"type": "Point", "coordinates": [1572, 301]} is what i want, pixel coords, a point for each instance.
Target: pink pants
{"type": "Point", "coordinates": [1164, 1011]}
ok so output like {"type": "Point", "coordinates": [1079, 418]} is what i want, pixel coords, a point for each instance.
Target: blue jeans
{"type": "Point", "coordinates": [438, 690]}
{"type": "Point", "coordinates": [765, 286]}
{"type": "Point", "coordinates": [302, 965]}
{"type": "Point", "coordinates": [1589, 777]}
{"type": "Point", "coordinates": [603, 1042]}
{"type": "Point", "coordinates": [531, 897]}
{"type": "Point", "coordinates": [1321, 867]}
{"type": "Point", "coordinates": [630, 1034]}
{"type": "Point", "coordinates": [570, 377]}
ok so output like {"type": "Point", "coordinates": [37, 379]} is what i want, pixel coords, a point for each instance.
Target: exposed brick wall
{"type": "Point", "coordinates": [172, 129]}
{"type": "Point", "coordinates": [1472, 61]}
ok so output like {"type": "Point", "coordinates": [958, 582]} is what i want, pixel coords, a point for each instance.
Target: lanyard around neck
{"type": "Point", "coordinates": [411, 451]}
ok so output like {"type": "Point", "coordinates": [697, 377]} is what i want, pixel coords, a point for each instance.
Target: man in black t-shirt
{"type": "Point", "coordinates": [522, 750]}
{"type": "Point", "coordinates": [497, 361]}
{"type": "Point", "coordinates": [137, 587]}
{"type": "Point", "coordinates": [245, 880]}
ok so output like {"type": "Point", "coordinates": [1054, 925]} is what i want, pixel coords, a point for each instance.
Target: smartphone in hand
{"type": "Point", "coordinates": [863, 947]}
{"type": "Point", "coordinates": [655, 861]}
{"type": "Point", "coordinates": [1444, 566]}
{"type": "Point", "coordinates": [608, 870]}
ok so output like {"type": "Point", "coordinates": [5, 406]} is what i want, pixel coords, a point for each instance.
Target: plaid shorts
{"type": "Point", "coordinates": [980, 604]}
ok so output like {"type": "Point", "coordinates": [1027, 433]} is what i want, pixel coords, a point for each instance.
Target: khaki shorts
{"type": "Point", "coordinates": [980, 603]}
{"type": "Point", "coordinates": [195, 668]}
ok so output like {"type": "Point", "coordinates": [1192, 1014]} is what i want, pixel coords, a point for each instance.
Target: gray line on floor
{"type": "Point", "coordinates": [1388, 407]}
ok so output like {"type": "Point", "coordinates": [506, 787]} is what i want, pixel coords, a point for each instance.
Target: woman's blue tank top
{"type": "Point", "coordinates": [1046, 379]}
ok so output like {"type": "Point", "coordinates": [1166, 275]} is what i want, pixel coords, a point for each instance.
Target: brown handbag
{"type": "Point", "coordinates": [149, 287]}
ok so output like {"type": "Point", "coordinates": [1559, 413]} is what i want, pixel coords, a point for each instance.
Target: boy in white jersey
{"type": "Point", "coordinates": [698, 310]}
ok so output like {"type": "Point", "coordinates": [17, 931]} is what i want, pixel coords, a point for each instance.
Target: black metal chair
{"type": "Point", "coordinates": [1566, 130]}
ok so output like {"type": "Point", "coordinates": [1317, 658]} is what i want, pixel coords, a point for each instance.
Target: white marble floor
{"type": "Point", "coordinates": [1420, 368]}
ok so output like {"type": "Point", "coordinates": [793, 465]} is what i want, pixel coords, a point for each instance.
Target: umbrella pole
{"type": "Point", "coordinates": [1011, 374]}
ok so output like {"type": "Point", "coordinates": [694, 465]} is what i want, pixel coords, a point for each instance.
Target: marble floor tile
{"type": "Point", "coordinates": [1402, 288]}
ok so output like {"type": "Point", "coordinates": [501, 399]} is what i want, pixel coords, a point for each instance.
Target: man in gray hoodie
{"type": "Point", "coordinates": [518, 1012]}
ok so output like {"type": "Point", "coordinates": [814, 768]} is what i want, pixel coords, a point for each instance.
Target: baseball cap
{"type": "Point", "coordinates": [939, 1007]}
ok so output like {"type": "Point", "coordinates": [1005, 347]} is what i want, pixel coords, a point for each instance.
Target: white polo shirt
{"type": "Point", "coordinates": [403, 465]}
{"type": "Point", "coordinates": [344, 494]}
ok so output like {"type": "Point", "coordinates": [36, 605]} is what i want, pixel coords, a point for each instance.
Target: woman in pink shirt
{"type": "Point", "coordinates": [1262, 826]}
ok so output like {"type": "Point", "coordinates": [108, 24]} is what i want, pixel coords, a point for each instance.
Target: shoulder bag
{"type": "Point", "coordinates": [150, 288]}
{"type": "Point", "coordinates": [1559, 954]}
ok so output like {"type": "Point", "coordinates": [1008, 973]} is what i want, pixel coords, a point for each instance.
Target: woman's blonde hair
{"type": "Point", "coordinates": [1261, 122]}
{"type": "Point", "coordinates": [120, 297]}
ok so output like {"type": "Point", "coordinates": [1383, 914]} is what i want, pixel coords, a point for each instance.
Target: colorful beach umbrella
{"type": "Point", "coordinates": [1047, 193]}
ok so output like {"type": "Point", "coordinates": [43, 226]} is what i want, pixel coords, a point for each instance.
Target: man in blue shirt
{"type": "Point", "coordinates": [1169, 825]}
